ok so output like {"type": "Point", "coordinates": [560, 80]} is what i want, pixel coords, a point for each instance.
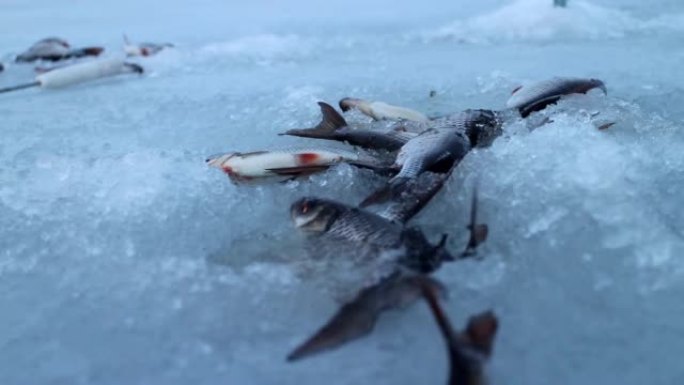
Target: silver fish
{"type": "Point", "coordinates": [337, 221]}
{"type": "Point", "coordinates": [428, 149]}
{"type": "Point", "coordinates": [537, 96]}
{"type": "Point", "coordinates": [381, 110]}
{"type": "Point", "coordinates": [55, 49]}
{"type": "Point", "coordinates": [323, 219]}
{"type": "Point", "coordinates": [241, 167]}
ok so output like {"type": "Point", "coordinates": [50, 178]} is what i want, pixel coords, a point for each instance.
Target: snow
{"type": "Point", "coordinates": [125, 259]}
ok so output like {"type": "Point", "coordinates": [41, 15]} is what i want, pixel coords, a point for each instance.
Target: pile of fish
{"type": "Point", "coordinates": [417, 155]}
{"type": "Point", "coordinates": [78, 65]}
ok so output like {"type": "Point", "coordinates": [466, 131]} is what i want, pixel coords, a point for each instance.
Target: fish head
{"type": "Point", "coordinates": [596, 83]}
{"type": "Point", "coordinates": [347, 104]}
{"type": "Point", "coordinates": [223, 161]}
{"type": "Point", "coordinates": [313, 215]}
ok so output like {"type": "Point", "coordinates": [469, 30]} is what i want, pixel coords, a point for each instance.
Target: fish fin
{"type": "Point", "coordinates": [357, 318]}
{"type": "Point", "coordinates": [478, 231]}
{"type": "Point", "coordinates": [431, 296]}
{"type": "Point", "coordinates": [299, 170]}
{"type": "Point", "coordinates": [481, 331]}
{"type": "Point", "coordinates": [331, 122]}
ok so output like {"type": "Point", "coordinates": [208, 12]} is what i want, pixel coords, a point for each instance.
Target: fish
{"type": "Point", "coordinates": [537, 96]}
{"type": "Point", "coordinates": [437, 149]}
{"type": "Point", "coordinates": [415, 258]}
{"type": "Point", "coordinates": [440, 149]}
{"type": "Point", "coordinates": [468, 350]}
{"type": "Point", "coordinates": [334, 127]}
{"type": "Point", "coordinates": [55, 49]}
{"type": "Point", "coordinates": [143, 49]}
{"type": "Point", "coordinates": [338, 221]}
{"type": "Point", "coordinates": [381, 110]}
{"type": "Point", "coordinates": [428, 149]}
{"type": "Point", "coordinates": [242, 167]}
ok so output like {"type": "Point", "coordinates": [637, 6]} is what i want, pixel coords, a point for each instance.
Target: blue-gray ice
{"type": "Point", "coordinates": [125, 260]}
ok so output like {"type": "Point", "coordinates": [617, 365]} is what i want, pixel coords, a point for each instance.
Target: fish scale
{"type": "Point", "coordinates": [357, 226]}
{"type": "Point", "coordinates": [424, 150]}
{"type": "Point", "coordinates": [555, 87]}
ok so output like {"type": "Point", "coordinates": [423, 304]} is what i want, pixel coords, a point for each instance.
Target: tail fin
{"type": "Point", "coordinates": [481, 331]}
{"type": "Point", "coordinates": [332, 121]}
{"type": "Point", "coordinates": [478, 231]}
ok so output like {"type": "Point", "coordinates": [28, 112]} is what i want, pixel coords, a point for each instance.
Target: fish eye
{"type": "Point", "coordinates": [305, 207]}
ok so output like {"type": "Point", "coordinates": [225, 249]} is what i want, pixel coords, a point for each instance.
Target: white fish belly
{"type": "Point", "coordinates": [381, 110]}
{"type": "Point", "coordinates": [261, 164]}
{"type": "Point", "coordinates": [81, 72]}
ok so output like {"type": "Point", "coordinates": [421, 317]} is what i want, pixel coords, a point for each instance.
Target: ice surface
{"type": "Point", "coordinates": [124, 259]}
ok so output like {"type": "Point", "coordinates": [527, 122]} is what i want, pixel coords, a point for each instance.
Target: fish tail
{"type": "Point", "coordinates": [331, 122]}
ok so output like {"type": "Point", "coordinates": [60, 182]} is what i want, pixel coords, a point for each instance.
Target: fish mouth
{"type": "Point", "coordinates": [602, 86]}
{"type": "Point", "coordinates": [299, 221]}
{"type": "Point", "coordinates": [217, 160]}
{"type": "Point", "coordinates": [347, 104]}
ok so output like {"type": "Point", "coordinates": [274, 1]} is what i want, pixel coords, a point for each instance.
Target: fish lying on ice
{"type": "Point", "coordinates": [537, 96]}
{"type": "Point", "coordinates": [381, 110]}
{"type": "Point", "coordinates": [440, 149]}
{"type": "Point", "coordinates": [334, 127]}
{"type": "Point", "coordinates": [248, 166]}
{"type": "Point", "coordinates": [143, 49]}
{"type": "Point", "coordinates": [55, 49]}
{"type": "Point", "coordinates": [414, 258]}
{"type": "Point", "coordinates": [79, 73]}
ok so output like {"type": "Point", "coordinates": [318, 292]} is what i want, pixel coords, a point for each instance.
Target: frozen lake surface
{"type": "Point", "coordinates": [124, 259]}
